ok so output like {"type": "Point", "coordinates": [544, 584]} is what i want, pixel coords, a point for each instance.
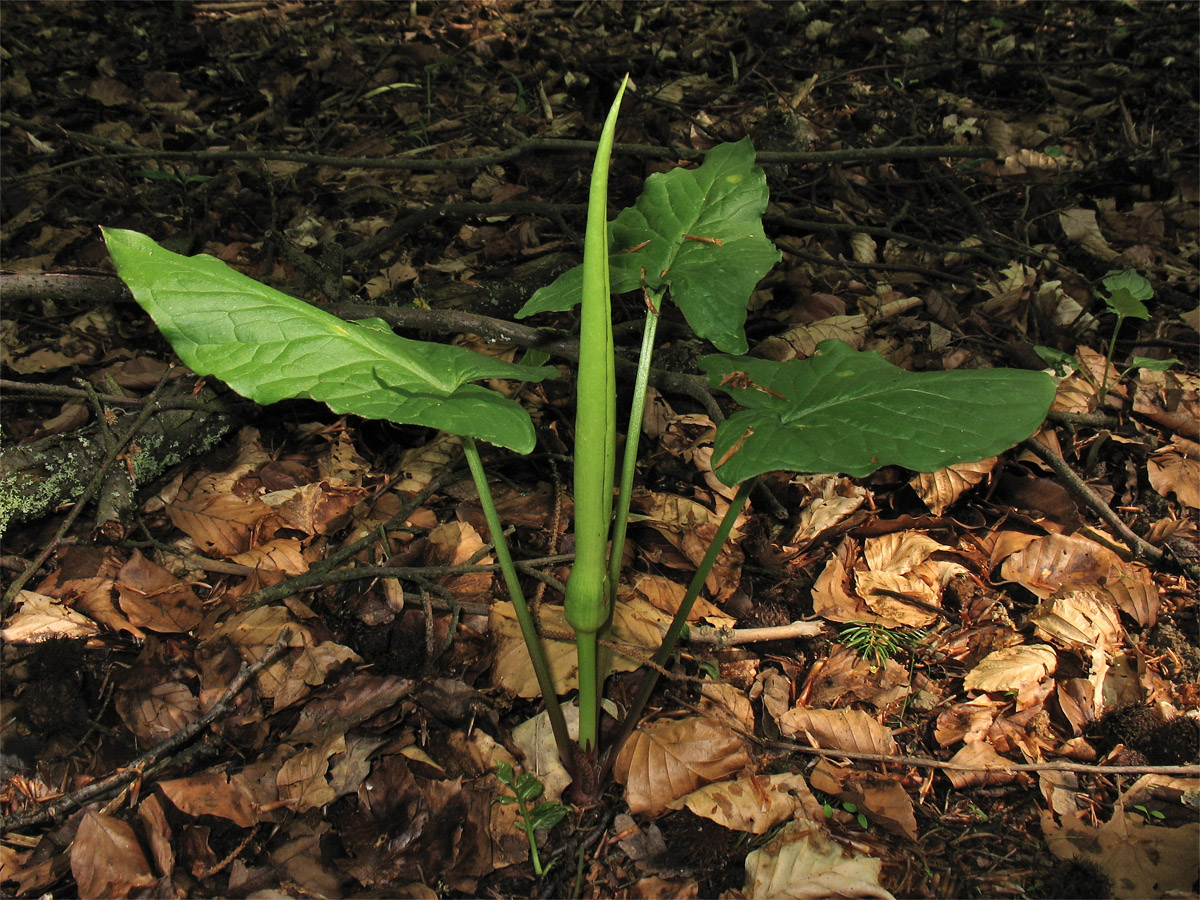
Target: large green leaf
{"type": "Point", "coordinates": [853, 412]}
{"type": "Point", "coordinates": [268, 346]}
{"type": "Point", "coordinates": [721, 202]}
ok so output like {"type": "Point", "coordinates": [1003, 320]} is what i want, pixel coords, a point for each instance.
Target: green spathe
{"type": "Point", "coordinates": [849, 411]}
{"type": "Point", "coordinates": [268, 346]}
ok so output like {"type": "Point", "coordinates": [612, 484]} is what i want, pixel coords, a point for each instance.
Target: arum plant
{"type": "Point", "coordinates": [695, 235]}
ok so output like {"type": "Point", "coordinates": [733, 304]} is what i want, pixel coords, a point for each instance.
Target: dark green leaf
{"type": "Point", "coordinates": [853, 412]}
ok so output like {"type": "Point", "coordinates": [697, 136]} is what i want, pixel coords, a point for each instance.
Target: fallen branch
{"type": "Point", "coordinates": [52, 812]}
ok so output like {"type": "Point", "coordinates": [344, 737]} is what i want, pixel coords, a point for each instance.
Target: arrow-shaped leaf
{"type": "Point", "coordinates": [697, 231]}
{"type": "Point", "coordinates": [268, 346]}
{"type": "Point", "coordinates": [853, 412]}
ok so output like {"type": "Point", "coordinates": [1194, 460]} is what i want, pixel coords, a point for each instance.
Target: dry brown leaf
{"type": "Point", "coordinates": [42, 618]}
{"type": "Point", "coordinates": [1174, 472]}
{"type": "Point", "coordinates": [1136, 595]}
{"type": "Point", "coordinates": [839, 729]}
{"type": "Point", "coordinates": [107, 860]}
{"type": "Point", "coordinates": [832, 499]}
{"type": "Point", "coordinates": [1141, 859]}
{"type": "Point", "coordinates": [801, 342]}
{"type": "Point", "coordinates": [666, 760]}
{"type": "Point", "coordinates": [942, 489]}
{"type": "Point", "coordinates": [801, 863]}
{"type": "Point", "coordinates": [1012, 668]}
{"type": "Point", "coordinates": [987, 766]}
{"type": "Point", "coordinates": [212, 794]}
{"type": "Point", "coordinates": [1080, 227]}
{"type": "Point", "coordinates": [1048, 563]}
{"type": "Point", "coordinates": [1078, 617]}
{"type": "Point", "coordinates": [753, 804]}
{"type": "Point", "coordinates": [689, 527]}
{"type": "Point", "coordinates": [154, 598]}
{"type": "Point", "coordinates": [158, 711]}
{"type": "Point", "coordinates": [880, 797]}
{"type": "Point", "coordinates": [158, 833]}
{"type": "Point", "coordinates": [637, 630]}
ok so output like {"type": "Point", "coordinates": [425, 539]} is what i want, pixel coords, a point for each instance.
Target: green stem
{"type": "Point", "coordinates": [632, 436]}
{"type": "Point", "coordinates": [533, 641]}
{"type": "Point", "coordinates": [650, 679]}
{"type": "Point", "coordinates": [527, 827]}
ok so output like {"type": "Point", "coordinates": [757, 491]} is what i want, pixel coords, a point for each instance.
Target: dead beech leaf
{"type": "Point", "coordinates": [1135, 596]}
{"type": "Point", "coordinates": [839, 729]}
{"type": "Point", "coordinates": [668, 759]}
{"type": "Point", "coordinates": [942, 489]}
{"type": "Point", "coordinates": [881, 797]}
{"type": "Point", "coordinates": [831, 596]}
{"type": "Point", "coordinates": [155, 599]}
{"type": "Point", "coordinates": [1141, 859]}
{"type": "Point", "coordinates": [832, 500]}
{"type": "Point", "coordinates": [987, 766]}
{"type": "Point", "coordinates": [420, 465]}
{"type": "Point", "coordinates": [801, 863]}
{"type": "Point", "coordinates": [1078, 617]}
{"type": "Point", "coordinates": [1173, 472]}
{"type": "Point", "coordinates": [637, 629]}
{"type": "Point", "coordinates": [280, 555]}
{"type": "Point", "coordinates": [212, 794]}
{"type": "Point", "coordinates": [753, 804]}
{"type": "Point", "coordinates": [666, 595]}
{"type": "Point", "coordinates": [1081, 227]}
{"type": "Point", "coordinates": [159, 711]}
{"type": "Point", "coordinates": [1048, 563]}
{"type": "Point", "coordinates": [689, 527]}
{"type": "Point", "coordinates": [107, 860]}
{"type": "Point", "coordinates": [42, 618]}
{"type": "Point", "coordinates": [1012, 668]}
{"type": "Point", "coordinates": [158, 833]}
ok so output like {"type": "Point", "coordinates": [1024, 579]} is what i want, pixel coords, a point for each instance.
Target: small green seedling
{"type": "Point", "coordinates": [540, 817]}
{"type": "Point", "coordinates": [1152, 815]}
{"type": "Point", "coordinates": [861, 818]}
{"type": "Point", "coordinates": [877, 644]}
{"type": "Point", "coordinates": [1126, 293]}
{"type": "Point", "coordinates": [695, 235]}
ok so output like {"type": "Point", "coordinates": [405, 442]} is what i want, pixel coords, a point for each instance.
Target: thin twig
{"type": "Point", "coordinates": [133, 771]}
{"type": "Point", "coordinates": [1080, 489]}
{"type": "Point", "coordinates": [922, 762]}
{"type": "Point", "coordinates": [522, 148]}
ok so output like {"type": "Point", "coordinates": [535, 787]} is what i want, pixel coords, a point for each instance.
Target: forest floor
{"type": "Point", "coordinates": [994, 687]}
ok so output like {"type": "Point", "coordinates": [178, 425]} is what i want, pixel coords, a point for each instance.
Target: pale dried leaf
{"type": "Point", "coordinates": [1141, 859]}
{"type": "Point", "coordinates": [1078, 617]}
{"type": "Point", "coordinates": [801, 863]}
{"type": "Point", "coordinates": [1135, 596]}
{"type": "Point", "coordinates": [839, 729]}
{"type": "Point", "coordinates": [1172, 472]}
{"type": "Point", "coordinates": [801, 342]}
{"type": "Point", "coordinates": [832, 500]}
{"type": "Point", "coordinates": [880, 797]}
{"type": "Point", "coordinates": [666, 760]}
{"type": "Point", "coordinates": [1012, 668]}
{"type": "Point", "coordinates": [753, 804]}
{"type": "Point", "coordinates": [942, 489]}
{"type": "Point", "coordinates": [42, 618]}
{"type": "Point", "coordinates": [1080, 227]}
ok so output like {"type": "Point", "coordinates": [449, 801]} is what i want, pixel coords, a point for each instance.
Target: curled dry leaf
{"type": "Point", "coordinates": [839, 729]}
{"type": "Point", "coordinates": [1012, 668]}
{"type": "Point", "coordinates": [1078, 617]}
{"type": "Point", "coordinates": [801, 863]}
{"type": "Point", "coordinates": [832, 499]}
{"type": "Point", "coordinates": [1174, 472]}
{"type": "Point", "coordinates": [666, 760]}
{"type": "Point", "coordinates": [42, 618]}
{"type": "Point", "coordinates": [942, 489]}
{"type": "Point", "coordinates": [155, 599]}
{"type": "Point", "coordinates": [753, 804]}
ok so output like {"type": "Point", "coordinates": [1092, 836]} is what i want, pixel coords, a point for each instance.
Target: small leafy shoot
{"type": "Point", "coordinates": [540, 817]}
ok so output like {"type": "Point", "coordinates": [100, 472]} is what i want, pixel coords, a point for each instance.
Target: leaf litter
{"type": "Point", "coordinates": [362, 756]}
